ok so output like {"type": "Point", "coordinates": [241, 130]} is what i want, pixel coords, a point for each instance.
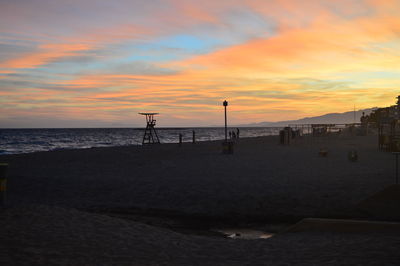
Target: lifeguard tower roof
{"type": "Point", "coordinates": [148, 113]}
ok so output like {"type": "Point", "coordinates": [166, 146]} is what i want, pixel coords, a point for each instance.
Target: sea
{"type": "Point", "coordinates": [15, 141]}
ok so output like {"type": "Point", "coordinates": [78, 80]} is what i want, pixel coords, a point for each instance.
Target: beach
{"type": "Point", "coordinates": [62, 205]}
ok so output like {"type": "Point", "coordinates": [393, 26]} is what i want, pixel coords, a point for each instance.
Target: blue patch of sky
{"type": "Point", "coordinates": [184, 44]}
{"type": "Point", "coordinates": [151, 58]}
{"type": "Point", "coordinates": [188, 43]}
{"type": "Point", "coordinates": [180, 46]}
{"type": "Point", "coordinates": [240, 25]}
{"type": "Point", "coordinates": [168, 48]}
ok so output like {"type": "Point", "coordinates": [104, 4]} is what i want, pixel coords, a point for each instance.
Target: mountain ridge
{"type": "Point", "coordinates": [330, 118]}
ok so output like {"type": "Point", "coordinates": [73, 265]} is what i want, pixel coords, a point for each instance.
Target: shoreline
{"type": "Point", "coordinates": [92, 138]}
{"type": "Point", "coordinates": [121, 146]}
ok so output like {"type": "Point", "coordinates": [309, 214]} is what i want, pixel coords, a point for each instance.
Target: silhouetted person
{"type": "Point", "coordinates": [363, 118]}
{"type": "Point", "coordinates": [180, 139]}
{"type": "Point", "coordinates": [237, 132]}
{"type": "Point", "coordinates": [230, 134]}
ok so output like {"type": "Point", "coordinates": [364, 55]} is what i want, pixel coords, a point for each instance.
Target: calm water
{"type": "Point", "coordinates": [14, 141]}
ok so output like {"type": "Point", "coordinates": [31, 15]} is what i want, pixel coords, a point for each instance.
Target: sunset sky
{"type": "Point", "coordinates": [89, 63]}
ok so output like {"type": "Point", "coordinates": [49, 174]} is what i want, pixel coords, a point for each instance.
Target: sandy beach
{"type": "Point", "coordinates": [59, 203]}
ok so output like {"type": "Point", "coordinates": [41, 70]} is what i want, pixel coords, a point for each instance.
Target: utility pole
{"type": "Point", "coordinates": [225, 103]}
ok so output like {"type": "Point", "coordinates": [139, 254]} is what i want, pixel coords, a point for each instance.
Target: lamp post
{"type": "Point", "coordinates": [225, 103]}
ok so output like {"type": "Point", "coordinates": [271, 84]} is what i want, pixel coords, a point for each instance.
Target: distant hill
{"type": "Point", "coordinates": [331, 118]}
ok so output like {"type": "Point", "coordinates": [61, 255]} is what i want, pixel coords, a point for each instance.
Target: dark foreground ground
{"type": "Point", "coordinates": [59, 203]}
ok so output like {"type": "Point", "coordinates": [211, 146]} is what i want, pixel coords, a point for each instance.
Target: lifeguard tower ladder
{"type": "Point", "coordinates": [150, 135]}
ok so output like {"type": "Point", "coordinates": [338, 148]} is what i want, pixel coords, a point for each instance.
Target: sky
{"type": "Point", "coordinates": [93, 63]}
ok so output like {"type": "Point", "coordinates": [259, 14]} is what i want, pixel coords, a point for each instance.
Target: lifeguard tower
{"type": "Point", "coordinates": [150, 135]}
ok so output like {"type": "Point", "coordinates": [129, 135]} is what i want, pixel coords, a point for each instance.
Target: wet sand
{"type": "Point", "coordinates": [58, 203]}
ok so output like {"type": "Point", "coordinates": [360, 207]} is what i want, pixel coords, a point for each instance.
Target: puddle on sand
{"type": "Point", "coordinates": [240, 233]}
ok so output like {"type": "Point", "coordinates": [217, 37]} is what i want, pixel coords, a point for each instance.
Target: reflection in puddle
{"type": "Point", "coordinates": [239, 233]}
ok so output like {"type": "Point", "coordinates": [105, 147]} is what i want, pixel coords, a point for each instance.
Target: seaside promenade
{"type": "Point", "coordinates": [59, 203]}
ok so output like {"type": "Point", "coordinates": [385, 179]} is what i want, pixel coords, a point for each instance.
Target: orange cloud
{"type": "Point", "coordinates": [324, 46]}
{"type": "Point", "coordinates": [312, 64]}
{"type": "Point", "coordinates": [74, 46]}
{"type": "Point", "coordinates": [45, 54]}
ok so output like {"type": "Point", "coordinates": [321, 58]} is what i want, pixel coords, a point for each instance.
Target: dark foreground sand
{"type": "Point", "coordinates": [50, 193]}
{"type": "Point", "coordinates": [41, 235]}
